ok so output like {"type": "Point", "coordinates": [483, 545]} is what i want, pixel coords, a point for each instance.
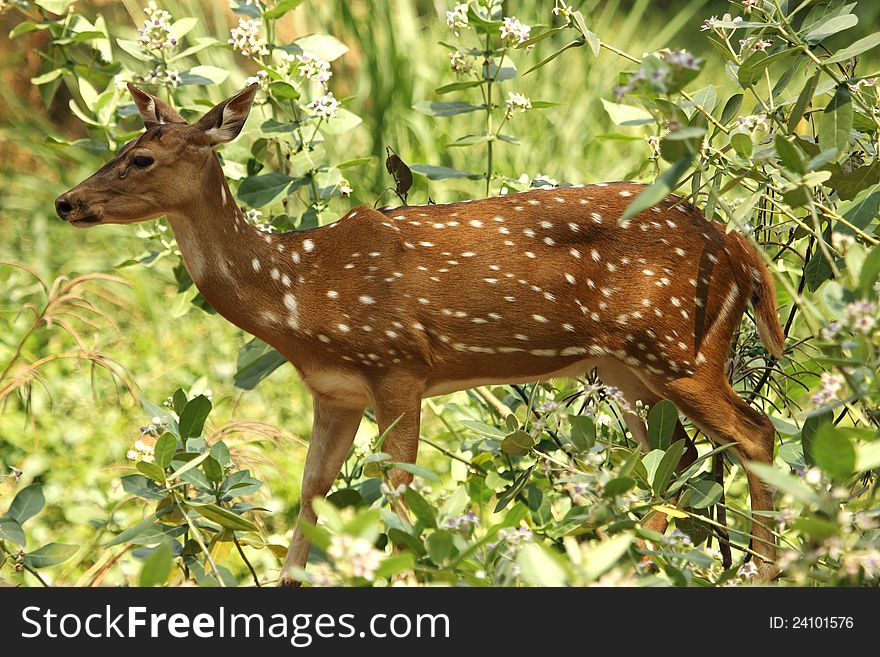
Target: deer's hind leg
{"type": "Point", "coordinates": [713, 405]}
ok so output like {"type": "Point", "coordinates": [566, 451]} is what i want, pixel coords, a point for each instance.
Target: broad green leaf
{"type": "Point", "coordinates": [327, 47]}
{"type": "Point", "coordinates": [836, 122]}
{"type": "Point", "coordinates": [833, 25]}
{"type": "Point", "coordinates": [423, 511]}
{"type": "Point", "coordinates": [152, 470]}
{"type": "Point", "coordinates": [785, 483]}
{"type": "Point", "coordinates": [143, 487]}
{"type": "Point", "coordinates": [627, 114]}
{"type": "Point", "coordinates": [258, 191]}
{"type": "Point", "coordinates": [550, 58]}
{"type": "Point", "coordinates": [182, 26]}
{"type": "Point", "coordinates": [256, 361]}
{"type": "Point", "coordinates": [281, 8]}
{"type": "Point", "coordinates": [54, 6]}
{"type": "Point", "coordinates": [441, 546]}
{"type": "Point", "coordinates": [27, 503]}
{"type": "Point", "coordinates": [50, 555]}
{"type": "Point", "coordinates": [164, 450]}
{"type": "Point", "coordinates": [666, 467]}
{"type": "Point", "coordinates": [752, 70]}
{"type": "Point", "coordinates": [833, 452]}
{"type": "Point", "coordinates": [517, 443]}
{"type": "Point", "coordinates": [662, 418]}
{"type": "Point", "coordinates": [539, 568]}
{"type": "Point", "coordinates": [741, 140]}
{"type": "Point", "coordinates": [703, 493]}
{"type": "Point", "coordinates": [224, 517]}
{"type": "Point", "coordinates": [857, 48]}
{"type": "Point", "coordinates": [803, 100]}
{"type": "Point", "coordinates": [583, 432]}
{"type": "Point", "coordinates": [416, 470]}
{"type": "Point", "coordinates": [136, 530]}
{"type": "Point", "coordinates": [192, 419]}
{"type": "Point", "coordinates": [157, 567]}
{"type": "Point", "coordinates": [214, 74]}
{"type": "Point", "coordinates": [601, 558]}
{"type": "Point", "coordinates": [789, 154]}
{"type": "Point", "coordinates": [10, 530]}
{"type": "Point", "coordinates": [657, 191]}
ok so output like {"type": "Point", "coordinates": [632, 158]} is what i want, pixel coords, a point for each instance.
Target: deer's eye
{"type": "Point", "coordinates": [142, 161]}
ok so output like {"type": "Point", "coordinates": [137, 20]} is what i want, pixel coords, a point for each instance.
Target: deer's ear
{"type": "Point", "coordinates": [153, 110]}
{"type": "Point", "coordinates": [225, 120]}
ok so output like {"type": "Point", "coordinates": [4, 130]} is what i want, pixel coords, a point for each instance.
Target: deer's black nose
{"type": "Point", "coordinates": [63, 207]}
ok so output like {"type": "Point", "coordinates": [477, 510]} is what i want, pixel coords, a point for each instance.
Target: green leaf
{"type": "Point", "coordinates": [752, 70]}
{"type": "Point", "coordinates": [214, 74]}
{"type": "Point", "coordinates": [343, 122]}
{"type": "Point", "coordinates": [627, 114]}
{"type": "Point", "coordinates": [574, 44]}
{"type": "Point", "coordinates": [182, 26]}
{"type": "Point", "coordinates": [539, 568]}
{"type": "Point", "coordinates": [281, 8]}
{"type": "Point", "coordinates": [10, 530]}
{"type": "Point", "coordinates": [662, 418]}
{"type": "Point", "coordinates": [402, 539]}
{"type": "Point", "coordinates": [657, 191]}
{"type": "Point", "coordinates": [423, 511]}
{"type": "Point", "coordinates": [258, 191]}
{"type": "Point", "coordinates": [256, 361]}
{"type": "Point", "coordinates": [731, 107]}
{"type": "Point", "coordinates": [703, 493]}
{"type": "Point", "coordinates": [517, 443]}
{"type": "Point", "coordinates": [178, 400]}
{"type": "Point", "coordinates": [583, 432]}
{"type": "Point", "coordinates": [164, 450]}
{"type": "Point", "coordinates": [212, 470]}
{"type": "Point", "coordinates": [192, 420]}
{"type": "Point", "coordinates": [435, 108]}
{"type": "Point", "coordinates": [618, 486]}
{"type": "Point", "coordinates": [833, 25]}
{"type": "Point", "coordinates": [741, 141]}
{"type": "Point", "coordinates": [470, 140]}
{"type": "Point", "coordinates": [224, 518]}
{"type": "Point", "coordinates": [836, 122]}
{"type": "Point", "coordinates": [143, 487]}
{"type": "Point", "coordinates": [605, 555]}
{"type": "Point", "coordinates": [666, 467]}
{"type": "Point", "coordinates": [147, 524]}
{"type": "Point", "coordinates": [395, 564]}
{"type": "Point", "coordinates": [415, 470]}
{"type": "Point", "coordinates": [803, 100]}
{"type": "Point", "coordinates": [54, 6]}
{"type": "Point", "coordinates": [789, 154]}
{"type": "Point", "coordinates": [50, 555]}
{"type": "Point", "coordinates": [442, 173]}
{"type": "Point", "coordinates": [152, 470]}
{"type": "Point", "coordinates": [327, 47]}
{"type": "Point", "coordinates": [440, 545]}
{"type": "Point", "coordinates": [833, 452]}
{"type": "Point", "coordinates": [157, 567]}
{"type": "Point", "coordinates": [857, 48]}
{"type": "Point", "coordinates": [27, 503]}
{"type": "Point", "coordinates": [784, 483]}
{"type": "Point", "coordinates": [870, 270]}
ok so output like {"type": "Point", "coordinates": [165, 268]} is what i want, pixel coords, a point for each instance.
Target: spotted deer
{"type": "Point", "coordinates": [384, 308]}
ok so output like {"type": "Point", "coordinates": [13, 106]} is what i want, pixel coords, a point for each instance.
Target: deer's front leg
{"type": "Point", "coordinates": [398, 409]}
{"type": "Point", "coordinates": [333, 431]}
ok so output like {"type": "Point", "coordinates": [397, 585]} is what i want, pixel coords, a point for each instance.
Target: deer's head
{"type": "Point", "coordinates": [155, 174]}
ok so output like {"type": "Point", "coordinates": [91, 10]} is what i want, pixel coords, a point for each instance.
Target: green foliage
{"type": "Point", "coordinates": [771, 129]}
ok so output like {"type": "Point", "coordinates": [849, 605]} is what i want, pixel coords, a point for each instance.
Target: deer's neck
{"type": "Point", "coordinates": [248, 276]}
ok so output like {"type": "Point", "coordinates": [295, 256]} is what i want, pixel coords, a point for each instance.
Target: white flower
{"type": "Point", "coordinates": [861, 315]}
{"type": "Point", "coordinates": [514, 30]}
{"type": "Point", "coordinates": [354, 557]}
{"type": "Point", "coordinates": [140, 451]}
{"type": "Point", "coordinates": [261, 78]}
{"type": "Point", "coordinates": [314, 69]}
{"type": "Point", "coordinates": [842, 241]}
{"type": "Point", "coordinates": [684, 59]}
{"type": "Point", "coordinates": [156, 32]}
{"type": "Point", "coordinates": [831, 385]}
{"type": "Point", "coordinates": [709, 24]}
{"type": "Point", "coordinates": [753, 121]}
{"type": "Point", "coordinates": [517, 103]}
{"type": "Point", "coordinates": [325, 106]}
{"type": "Point", "coordinates": [248, 39]}
{"type": "Point", "coordinates": [460, 63]}
{"type": "Point", "coordinates": [172, 77]}
{"type": "Point", "coordinates": [345, 187]}
{"type": "Point", "coordinates": [748, 5]}
{"type": "Point", "coordinates": [830, 331]}
{"type": "Point", "coordinates": [457, 18]}
{"type": "Point", "coordinates": [254, 215]}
